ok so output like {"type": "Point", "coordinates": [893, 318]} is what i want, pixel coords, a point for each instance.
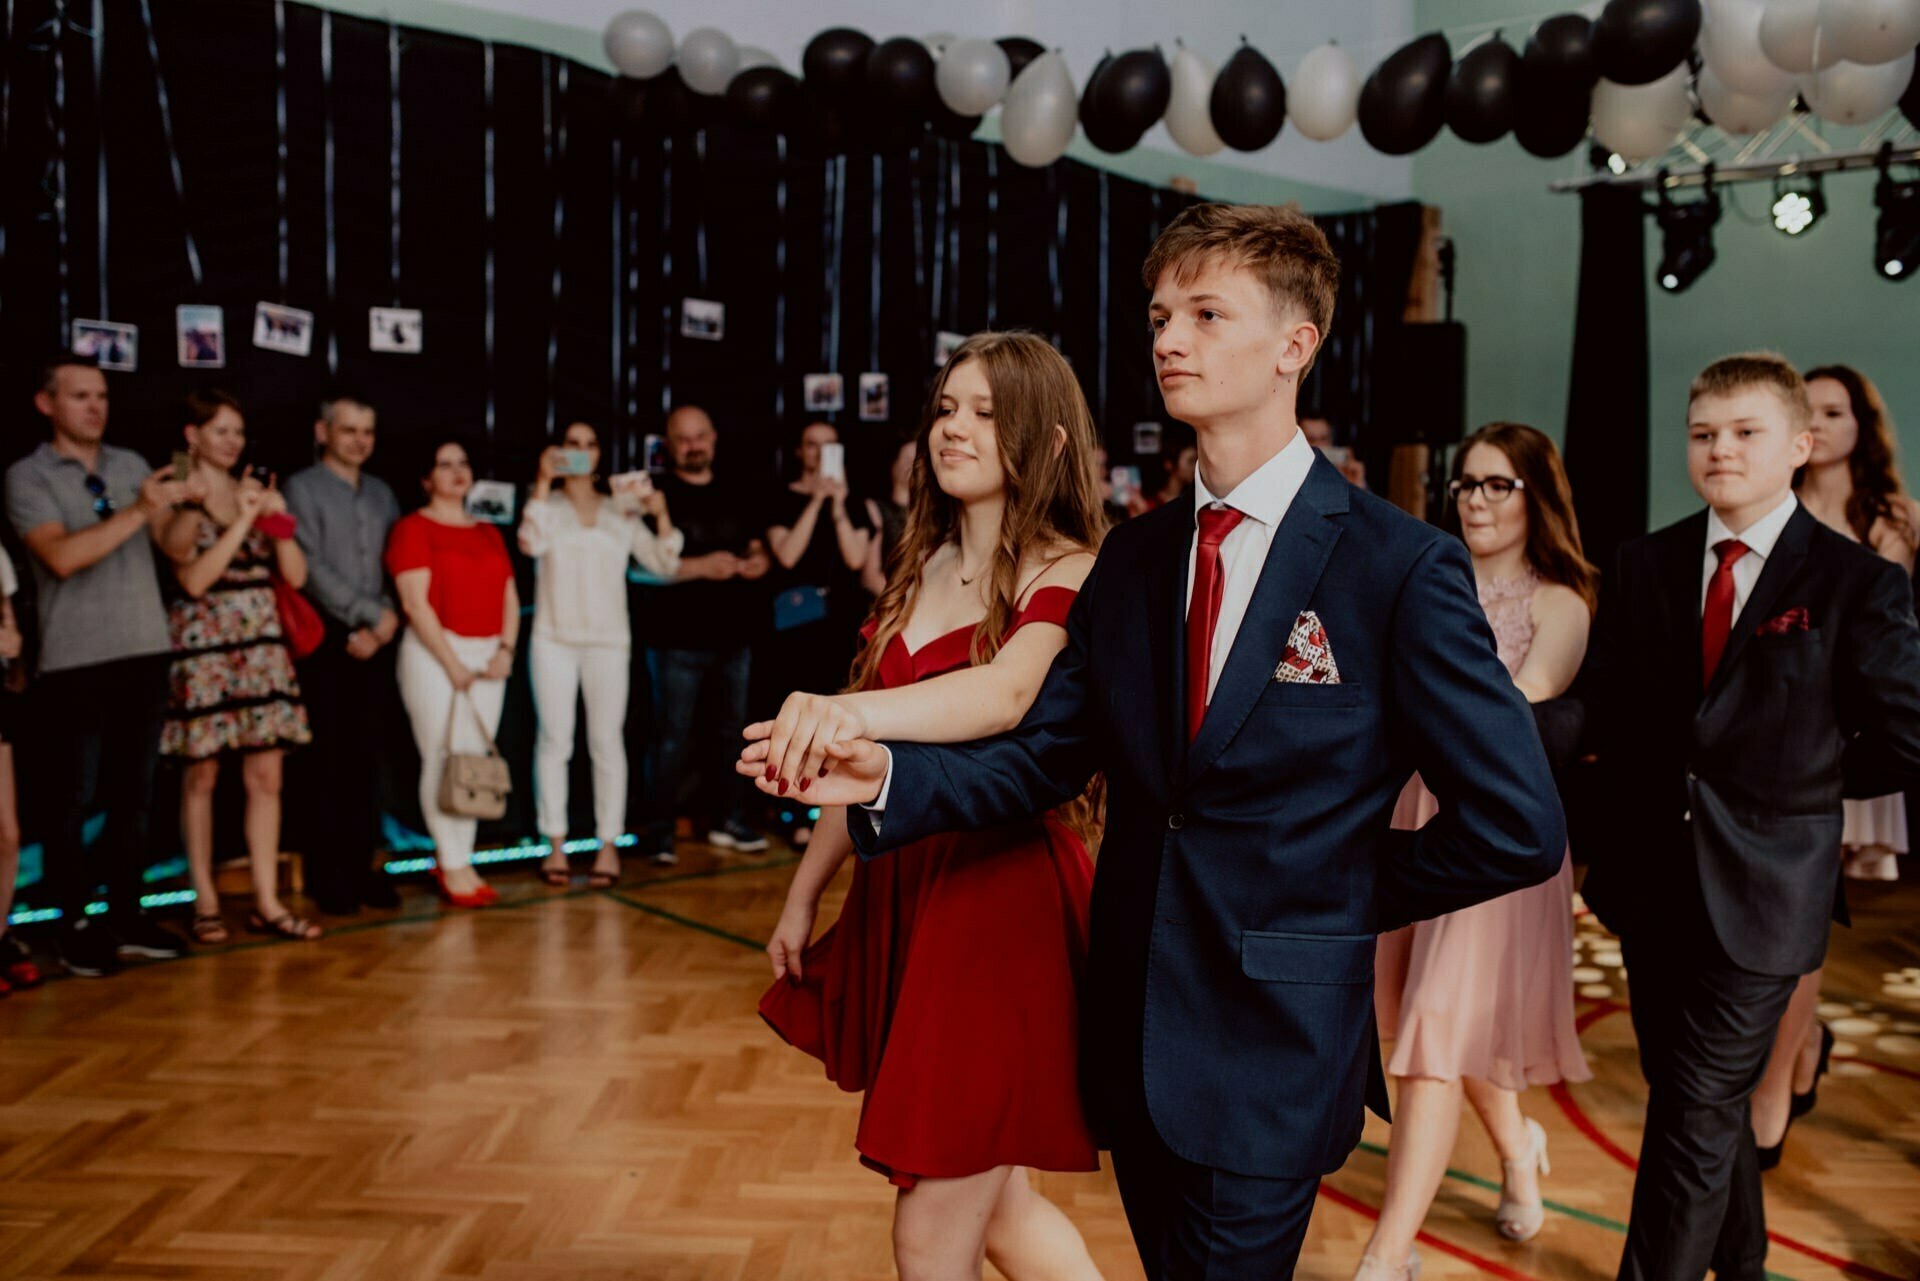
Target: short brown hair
{"type": "Point", "coordinates": [204, 402]}
{"type": "Point", "coordinates": [1282, 246]}
{"type": "Point", "coordinates": [1768, 369]}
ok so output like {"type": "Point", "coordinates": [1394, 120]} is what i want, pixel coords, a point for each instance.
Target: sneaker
{"type": "Point", "coordinates": [142, 938]}
{"type": "Point", "coordinates": [89, 949]}
{"type": "Point", "coordinates": [664, 856]}
{"type": "Point", "coordinates": [735, 835]}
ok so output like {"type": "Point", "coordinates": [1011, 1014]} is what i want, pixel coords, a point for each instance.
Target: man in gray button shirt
{"type": "Point", "coordinates": [344, 517]}
{"type": "Point", "coordinates": [87, 513]}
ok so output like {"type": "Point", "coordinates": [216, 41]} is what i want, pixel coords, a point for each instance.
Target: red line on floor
{"type": "Point", "coordinates": [1490, 1266]}
{"type": "Point", "coordinates": [1878, 1066]}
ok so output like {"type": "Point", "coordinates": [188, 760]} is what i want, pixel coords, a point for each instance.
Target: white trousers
{"type": "Point", "coordinates": [561, 675]}
{"type": "Point", "coordinates": [428, 696]}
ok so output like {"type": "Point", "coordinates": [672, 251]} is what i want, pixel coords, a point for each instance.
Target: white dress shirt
{"type": "Point", "coordinates": [1759, 538]}
{"type": "Point", "coordinates": [580, 597]}
{"type": "Point", "coordinates": [1263, 498]}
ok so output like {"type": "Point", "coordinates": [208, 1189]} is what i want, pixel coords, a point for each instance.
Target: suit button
{"type": "Point", "coordinates": [1176, 821]}
{"type": "Point", "coordinates": [1687, 817]}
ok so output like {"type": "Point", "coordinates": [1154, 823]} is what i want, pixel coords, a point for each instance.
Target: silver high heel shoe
{"type": "Point", "coordinates": [1519, 1220]}
{"type": "Point", "coordinates": [1371, 1269]}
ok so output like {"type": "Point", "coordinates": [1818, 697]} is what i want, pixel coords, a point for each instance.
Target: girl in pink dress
{"type": "Point", "coordinates": [1480, 1002]}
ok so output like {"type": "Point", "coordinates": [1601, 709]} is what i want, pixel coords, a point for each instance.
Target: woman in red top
{"type": "Point", "coordinates": [946, 989]}
{"type": "Point", "coordinates": [463, 619]}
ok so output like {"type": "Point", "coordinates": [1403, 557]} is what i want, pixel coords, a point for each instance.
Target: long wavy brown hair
{"type": "Point", "coordinates": [1553, 532]}
{"type": "Point", "coordinates": [1874, 464]}
{"type": "Point", "coordinates": [1052, 499]}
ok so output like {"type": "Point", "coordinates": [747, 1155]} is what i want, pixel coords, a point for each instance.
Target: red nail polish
{"type": "Point", "coordinates": [805, 783]}
{"type": "Point", "coordinates": [783, 787]}
{"type": "Point", "coordinates": [773, 772]}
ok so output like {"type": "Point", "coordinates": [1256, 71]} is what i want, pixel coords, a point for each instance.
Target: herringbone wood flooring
{"type": "Point", "coordinates": [576, 1086]}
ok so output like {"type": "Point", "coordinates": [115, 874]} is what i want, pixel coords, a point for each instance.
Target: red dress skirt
{"type": "Point", "coordinates": [946, 990]}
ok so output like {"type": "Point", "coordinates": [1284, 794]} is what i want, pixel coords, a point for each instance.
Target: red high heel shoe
{"type": "Point", "coordinates": [478, 898]}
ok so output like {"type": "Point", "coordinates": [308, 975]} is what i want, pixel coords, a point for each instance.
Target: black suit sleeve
{"type": "Point", "coordinates": [1045, 761]}
{"type": "Point", "coordinates": [1877, 687]}
{"type": "Point", "coordinates": [1499, 828]}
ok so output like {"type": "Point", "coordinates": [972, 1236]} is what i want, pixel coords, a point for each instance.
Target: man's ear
{"type": "Point", "coordinates": [1302, 341]}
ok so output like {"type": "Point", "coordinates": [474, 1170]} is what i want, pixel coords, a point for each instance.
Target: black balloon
{"type": "Point", "coordinates": [1635, 42]}
{"type": "Point", "coordinates": [948, 123]}
{"type": "Point", "coordinates": [835, 62]}
{"type": "Point", "coordinates": [1480, 92]}
{"type": "Point", "coordinates": [1249, 101]}
{"type": "Point", "coordinates": [1561, 49]}
{"type": "Point", "coordinates": [1020, 51]}
{"type": "Point", "coordinates": [763, 98]}
{"type": "Point", "coordinates": [1136, 89]}
{"type": "Point", "coordinates": [1104, 129]}
{"type": "Point", "coordinates": [900, 78]}
{"type": "Point", "coordinates": [1403, 104]}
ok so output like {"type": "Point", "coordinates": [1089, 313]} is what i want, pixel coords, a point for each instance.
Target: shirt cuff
{"type": "Point", "coordinates": [878, 809]}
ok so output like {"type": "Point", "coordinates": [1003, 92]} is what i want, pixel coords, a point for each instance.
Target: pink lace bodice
{"type": "Point", "coordinates": [1508, 603]}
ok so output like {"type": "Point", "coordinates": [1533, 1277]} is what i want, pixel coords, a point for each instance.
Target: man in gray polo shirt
{"type": "Point", "coordinates": [87, 513]}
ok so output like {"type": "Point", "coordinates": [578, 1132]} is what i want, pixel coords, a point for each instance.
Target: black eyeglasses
{"type": "Point", "coordinates": [102, 503]}
{"type": "Point", "coordinates": [1497, 489]}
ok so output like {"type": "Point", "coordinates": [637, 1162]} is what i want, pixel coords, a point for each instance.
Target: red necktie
{"type": "Point", "coordinates": [1717, 621]}
{"type": "Point", "coordinates": [1203, 608]}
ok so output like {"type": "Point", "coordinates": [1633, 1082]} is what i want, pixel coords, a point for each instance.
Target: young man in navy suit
{"type": "Point", "coordinates": [1256, 667]}
{"type": "Point", "coordinates": [1749, 667]}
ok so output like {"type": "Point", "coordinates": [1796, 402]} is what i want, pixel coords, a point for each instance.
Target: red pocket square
{"type": "Point", "coordinates": [1309, 656]}
{"type": "Point", "coordinates": [1794, 620]}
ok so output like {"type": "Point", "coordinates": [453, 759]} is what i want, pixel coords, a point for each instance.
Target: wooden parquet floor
{"type": "Point", "coordinates": [575, 1085]}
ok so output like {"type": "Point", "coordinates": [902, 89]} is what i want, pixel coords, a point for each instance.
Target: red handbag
{"type": "Point", "coordinates": [299, 620]}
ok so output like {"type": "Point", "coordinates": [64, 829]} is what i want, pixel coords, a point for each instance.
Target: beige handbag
{"type": "Point", "coordinates": [473, 784]}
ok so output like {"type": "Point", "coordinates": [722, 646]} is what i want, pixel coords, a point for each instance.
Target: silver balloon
{"type": "Point", "coordinates": [1739, 114]}
{"type": "Point", "coordinates": [1041, 111]}
{"type": "Point", "coordinates": [708, 60]}
{"type": "Point", "coordinates": [752, 56]}
{"type": "Point", "coordinates": [1730, 46]}
{"type": "Point", "coordinates": [1189, 115]}
{"type": "Point", "coordinates": [972, 76]}
{"type": "Point", "coordinates": [1790, 36]}
{"type": "Point", "coordinates": [1324, 99]}
{"type": "Point", "coordinates": [1849, 94]}
{"type": "Point", "coordinates": [638, 44]}
{"type": "Point", "coordinates": [1642, 121]}
{"type": "Point", "coordinates": [1870, 31]}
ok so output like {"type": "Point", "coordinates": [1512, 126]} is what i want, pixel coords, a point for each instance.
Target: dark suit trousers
{"type": "Point", "coordinates": [1194, 1223]}
{"type": "Point", "coordinates": [1705, 1028]}
{"type": "Point", "coordinates": [339, 773]}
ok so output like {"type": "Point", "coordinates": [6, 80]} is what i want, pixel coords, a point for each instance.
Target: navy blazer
{"type": "Point", "coordinates": [1228, 998]}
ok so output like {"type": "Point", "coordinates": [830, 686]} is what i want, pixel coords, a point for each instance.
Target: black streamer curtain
{"type": "Point", "coordinates": [256, 150]}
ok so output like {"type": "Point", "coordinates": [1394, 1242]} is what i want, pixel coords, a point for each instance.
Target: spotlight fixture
{"type": "Point", "coordinates": [1797, 205]}
{"type": "Point", "coordinates": [1686, 236]}
{"type": "Point", "coordinates": [1896, 238]}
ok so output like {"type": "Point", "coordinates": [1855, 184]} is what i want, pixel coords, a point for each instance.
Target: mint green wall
{"type": "Point", "coordinates": [1816, 299]}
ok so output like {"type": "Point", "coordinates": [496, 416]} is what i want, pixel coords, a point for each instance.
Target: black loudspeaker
{"type": "Point", "coordinates": [1419, 386]}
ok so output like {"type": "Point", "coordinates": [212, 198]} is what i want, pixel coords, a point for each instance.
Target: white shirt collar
{"type": "Point", "coordinates": [1759, 536]}
{"type": "Point", "coordinates": [1266, 495]}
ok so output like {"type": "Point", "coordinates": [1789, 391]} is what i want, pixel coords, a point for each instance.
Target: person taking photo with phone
{"type": "Point", "coordinates": [582, 540]}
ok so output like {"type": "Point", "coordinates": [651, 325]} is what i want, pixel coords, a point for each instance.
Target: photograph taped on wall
{"type": "Point", "coordinates": [283, 329]}
{"type": "Point", "coordinates": [202, 335]}
{"type": "Point", "coordinates": [1146, 438]}
{"type": "Point", "coordinates": [703, 318]}
{"type": "Point", "coordinates": [875, 404]}
{"type": "Point", "coordinates": [944, 343]}
{"type": "Point", "coordinates": [109, 345]}
{"type": "Point", "coordinates": [823, 393]}
{"type": "Point", "coordinates": [395, 329]}
{"type": "Point", "coordinates": [491, 501]}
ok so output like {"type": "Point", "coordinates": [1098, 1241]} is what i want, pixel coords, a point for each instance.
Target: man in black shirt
{"type": "Point", "coordinates": [705, 629]}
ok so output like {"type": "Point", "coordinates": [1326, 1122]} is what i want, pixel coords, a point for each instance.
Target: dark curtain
{"type": "Point", "coordinates": [1606, 443]}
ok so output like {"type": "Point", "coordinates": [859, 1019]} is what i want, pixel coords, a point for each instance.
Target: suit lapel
{"type": "Point", "coordinates": [1294, 564]}
{"type": "Point", "coordinates": [1166, 588]}
{"type": "Point", "coordinates": [1684, 557]}
{"type": "Point", "coordinates": [1788, 553]}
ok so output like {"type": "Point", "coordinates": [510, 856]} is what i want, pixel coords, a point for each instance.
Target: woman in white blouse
{"type": "Point", "coordinates": [581, 635]}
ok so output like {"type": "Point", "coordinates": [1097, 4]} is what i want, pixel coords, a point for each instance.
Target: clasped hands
{"type": "Point", "coordinates": [819, 746]}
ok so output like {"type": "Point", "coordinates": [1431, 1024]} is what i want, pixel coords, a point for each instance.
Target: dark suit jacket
{"type": "Point", "coordinates": [1728, 799]}
{"type": "Point", "coordinates": [1228, 996]}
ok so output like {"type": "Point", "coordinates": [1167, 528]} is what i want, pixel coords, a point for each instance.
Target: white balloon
{"type": "Point", "coordinates": [939, 42]}
{"type": "Point", "coordinates": [752, 55]}
{"type": "Point", "coordinates": [1790, 36]}
{"type": "Point", "coordinates": [708, 59]}
{"type": "Point", "coordinates": [1041, 112]}
{"type": "Point", "coordinates": [1730, 45]}
{"type": "Point", "coordinates": [1739, 114]}
{"type": "Point", "coordinates": [1189, 115]}
{"type": "Point", "coordinates": [972, 76]}
{"type": "Point", "coordinates": [638, 44]}
{"type": "Point", "coordinates": [1870, 31]}
{"type": "Point", "coordinates": [1849, 94]}
{"type": "Point", "coordinates": [1324, 99]}
{"type": "Point", "coordinates": [1642, 121]}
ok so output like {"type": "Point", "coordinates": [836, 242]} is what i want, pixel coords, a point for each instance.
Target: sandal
{"type": "Point", "coordinates": [210, 928]}
{"type": "Point", "coordinates": [556, 877]}
{"type": "Point", "coordinates": [601, 879]}
{"type": "Point", "coordinates": [17, 968]}
{"type": "Point", "coordinates": [286, 926]}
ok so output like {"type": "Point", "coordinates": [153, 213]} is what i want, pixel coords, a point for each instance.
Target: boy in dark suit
{"type": "Point", "coordinates": [1749, 663]}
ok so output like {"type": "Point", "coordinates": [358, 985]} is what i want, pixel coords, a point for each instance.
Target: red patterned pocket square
{"type": "Point", "coordinates": [1794, 620]}
{"type": "Point", "coordinates": [1309, 656]}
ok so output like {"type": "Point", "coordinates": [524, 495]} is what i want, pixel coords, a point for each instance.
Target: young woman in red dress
{"type": "Point", "coordinates": [945, 991]}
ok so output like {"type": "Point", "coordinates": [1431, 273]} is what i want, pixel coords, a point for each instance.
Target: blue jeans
{"type": "Point", "coordinates": [678, 676]}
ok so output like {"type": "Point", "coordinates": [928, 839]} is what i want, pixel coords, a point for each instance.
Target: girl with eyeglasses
{"type": "Point", "coordinates": [1479, 1002]}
